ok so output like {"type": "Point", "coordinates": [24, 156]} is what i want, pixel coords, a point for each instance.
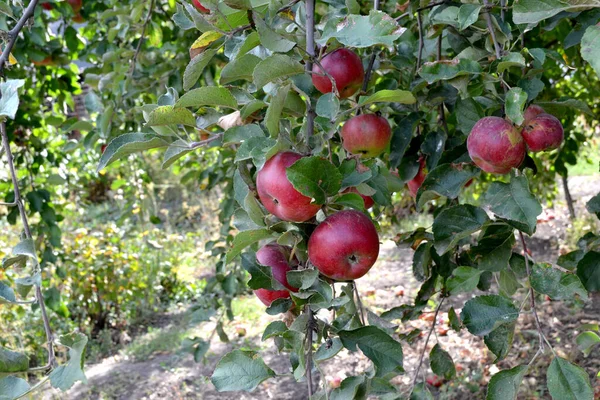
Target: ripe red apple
{"type": "Point", "coordinates": [75, 5]}
{"type": "Point", "coordinates": [532, 111]}
{"type": "Point", "coordinates": [544, 132]}
{"type": "Point", "coordinates": [78, 18]}
{"type": "Point", "coordinates": [366, 134]}
{"type": "Point", "coordinates": [415, 183]}
{"type": "Point", "coordinates": [277, 257]}
{"type": "Point", "coordinates": [495, 145]}
{"type": "Point", "coordinates": [278, 195]}
{"type": "Point", "coordinates": [47, 6]}
{"type": "Point", "coordinates": [346, 69]}
{"type": "Point", "coordinates": [345, 246]}
{"type": "Point", "coordinates": [434, 380]}
{"type": "Point", "coordinates": [200, 7]}
{"type": "Point", "coordinates": [367, 199]}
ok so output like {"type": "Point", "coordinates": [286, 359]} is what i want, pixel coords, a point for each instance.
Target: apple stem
{"type": "Point", "coordinates": [361, 309]}
{"type": "Point", "coordinates": [310, 49]}
{"type": "Point", "coordinates": [416, 375]}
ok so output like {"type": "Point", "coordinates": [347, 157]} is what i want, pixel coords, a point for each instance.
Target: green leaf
{"type": "Point", "coordinates": [421, 264]}
{"type": "Point", "coordinates": [194, 69]}
{"type": "Point", "coordinates": [256, 148]}
{"type": "Point", "coordinates": [494, 249]}
{"type": "Point", "coordinates": [555, 283]}
{"type": "Point", "coordinates": [401, 137]}
{"type": "Point", "coordinates": [353, 387]}
{"type": "Point", "coordinates": [245, 239]}
{"type": "Point", "coordinates": [505, 384]}
{"type": "Point", "coordinates": [6, 10]}
{"type": "Point", "coordinates": [129, 143]}
{"type": "Point", "coordinates": [441, 362]}
{"type": "Point", "coordinates": [378, 346]}
{"type": "Point", "coordinates": [271, 39]}
{"type": "Point", "coordinates": [315, 177]}
{"type": "Point", "coordinates": [273, 115]}
{"type": "Point", "coordinates": [12, 388]}
{"type": "Point", "coordinates": [9, 102]}
{"type": "Point", "coordinates": [420, 392]}
{"type": "Point", "coordinates": [468, 112]}
{"type": "Point", "coordinates": [240, 370]}
{"type": "Point", "coordinates": [207, 96]}
{"type": "Point", "coordinates": [279, 306]}
{"type": "Point", "coordinates": [275, 328]}
{"type": "Point", "coordinates": [593, 206]}
{"type": "Point", "coordinates": [362, 31]}
{"type": "Point", "coordinates": [557, 107]}
{"type": "Point", "coordinates": [240, 68]}
{"type": "Point", "coordinates": [174, 152]}
{"type": "Point", "coordinates": [274, 68]}
{"type": "Point", "coordinates": [65, 376]}
{"type": "Point", "coordinates": [588, 271]}
{"type": "Point", "coordinates": [260, 275]}
{"type": "Point", "coordinates": [500, 340]}
{"type": "Point", "coordinates": [12, 361]}
{"type": "Point", "coordinates": [511, 60]}
{"type": "Point", "coordinates": [351, 176]}
{"type": "Point", "coordinates": [388, 96]}
{"type": "Point", "coordinates": [7, 295]}
{"type": "Point", "coordinates": [252, 107]}
{"type": "Point", "coordinates": [586, 342]}
{"type": "Point", "coordinates": [534, 11]}
{"type": "Point", "coordinates": [463, 279]}
{"type": "Point", "coordinates": [482, 314]}
{"type": "Point", "coordinates": [328, 350]}
{"type": "Point", "coordinates": [239, 134]}
{"type": "Point", "coordinates": [448, 69]}
{"type": "Point", "coordinates": [328, 106]}
{"type": "Point", "coordinates": [456, 223]}
{"type": "Point", "coordinates": [445, 180]}
{"type": "Point", "coordinates": [168, 115]}
{"type": "Point", "coordinates": [302, 279]}
{"type": "Point", "coordinates": [515, 104]}
{"type": "Point", "coordinates": [568, 381]}
{"type": "Point", "coordinates": [455, 322]}
{"type": "Point", "coordinates": [508, 282]}
{"type": "Point", "coordinates": [514, 202]}
{"type": "Point", "coordinates": [352, 200]}
{"type": "Point", "coordinates": [590, 47]}
{"type": "Point", "coordinates": [570, 260]}
{"type": "Point", "coordinates": [468, 15]}
{"type": "Point", "coordinates": [25, 247]}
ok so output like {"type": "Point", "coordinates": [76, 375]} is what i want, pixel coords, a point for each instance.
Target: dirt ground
{"type": "Point", "coordinates": [390, 283]}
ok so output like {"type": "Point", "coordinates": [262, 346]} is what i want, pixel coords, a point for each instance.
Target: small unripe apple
{"type": "Point", "coordinates": [544, 132]}
{"type": "Point", "coordinates": [532, 111]}
{"type": "Point", "coordinates": [200, 7]}
{"type": "Point", "coordinates": [278, 258]}
{"type": "Point", "coordinates": [495, 145]}
{"type": "Point", "coordinates": [75, 5]}
{"type": "Point", "coordinates": [367, 135]}
{"type": "Point", "coordinates": [277, 193]}
{"type": "Point", "coordinates": [344, 246]}
{"type": "Point", "coordinates": [415, 183]}
{"type": "Point", "coordinates": [346, 69]}
{"type": "Point", "coordinates": [367, 199]}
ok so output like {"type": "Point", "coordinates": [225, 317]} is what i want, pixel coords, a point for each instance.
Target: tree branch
{"type": "Point", "coordinates": [421, 44]}
{"type": "Point", "coordinates": [141, 42]}
{"type": "Point", "coordinates": [361, 309]}
{"type": "Point", "coordinates": [13, 34]}
{"type": "Point", "coordinates": [416, 375]}
{"type": "Point", "coordinates": [310, 49]}
{"type": "Point", "coordinates": [310, 327]}
{"type": "Point", "coordinates": [490, 25]}
{"type": "Point", "coordinates": [371, 60]}
{"type": "Point", "coordinates": [27, 229]}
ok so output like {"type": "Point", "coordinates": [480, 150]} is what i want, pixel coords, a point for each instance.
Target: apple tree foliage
{"type": "Point", "coordinates": [433, 69]}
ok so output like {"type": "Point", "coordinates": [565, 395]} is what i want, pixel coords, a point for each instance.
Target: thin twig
{"type": "Point", "coordinates": [8, 204]}
{"type": "Point", "coordinates": [490, 25]}
{"type": "Point", "coordinates": [502, 10]}
{"type": "Point", "coordinates": [289, 6]}
{"type": "Point", "coordinates": [141, 42]}
{"type": "Point", "coordinates": [442, 116]}
{"type": "Point", "coordinates": [26, 228]}
{"type": "Point", "coordinates": [421, 44]}
{"type": "Point", "coordinates": [371, 60]}
{"type": "Point", "coordinates": [532, 294]}
{"type": "Point", "coordinates": [310, 326]}
{"type": "Point", "coordinates": [13, 34]}
{"type": "Point", "coordinates": [361, 309]}
{"type": "Point", "coordinates": [310, 49]}
{"type": "Point", "coordinates": [201, 143]}
{"type": "Point", "coordinates": [416, 375]}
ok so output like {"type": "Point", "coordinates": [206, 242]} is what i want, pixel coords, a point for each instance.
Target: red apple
{"type": "Point", "coordinates": [544, 132]}
{"type": "Point", "coordinates": [415, 183]}
{"type": "Point", "coordinates": [495, 145]}
{"type": "Point", "coordinates": [277, 257]}
{"type": "Point", "coordinates": [366, 134]}
{"type": "Point", "coordinates": [434, 380]}
{"type": "Point", "coordinates": [47, 6]}
{"type": "Point", "coordinates": [346, 69]}
{"type": "Point", "coordinates": [367, 199]}
{"type": "Point", "coordinates": [75, 5]}
{"type": "Point", "coordinates": [103, 148]}
{"type": "Point", "coordinates": [78, 18]}
{"type": "Point", "coordinates": [200, 7]}
{"type": "Point", "coordinates": [277, 193]}
{"type": "Point", "coordinates": [532, 111]}
{"type": "Point", "coordinates": [345, 246]}
{"type": "Point", "coordinates": [45, 62]}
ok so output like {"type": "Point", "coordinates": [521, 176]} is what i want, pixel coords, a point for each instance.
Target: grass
{"type": "Point", "coordinates": [588, 161]}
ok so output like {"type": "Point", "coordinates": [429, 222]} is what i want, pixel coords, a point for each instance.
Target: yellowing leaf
{"type": "Point", "coordinates": [11, 59]}
{"type": "Point", "coordinates": [206, 39]}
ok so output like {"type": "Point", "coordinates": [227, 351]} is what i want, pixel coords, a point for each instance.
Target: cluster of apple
{"type": "Point", "coordinates": [495, 145]}
{"type": "Point", "coordinates": [343, 247]}
{"type": "Point", "coordinates": [76, 5]}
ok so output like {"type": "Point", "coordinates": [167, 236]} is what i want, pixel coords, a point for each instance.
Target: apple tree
{"type": "Point", "coordinates": [316, 115]}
